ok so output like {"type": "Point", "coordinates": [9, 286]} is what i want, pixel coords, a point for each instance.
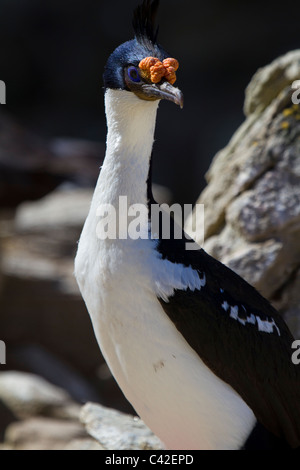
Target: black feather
{"type": "Point", "coordinates": [144, 22]}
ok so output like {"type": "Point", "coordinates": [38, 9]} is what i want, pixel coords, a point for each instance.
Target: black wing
{"type": "Point", "coordinates": [240, 337]}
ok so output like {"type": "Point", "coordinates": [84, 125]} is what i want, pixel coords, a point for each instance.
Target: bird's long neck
{"type": "Point", "coordinates": [131, 124]}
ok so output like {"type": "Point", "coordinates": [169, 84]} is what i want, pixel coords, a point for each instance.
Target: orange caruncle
{"type": "Point", "coordinates": [171, 65]}
{"type": "Point", "coordinates": [148, 62]}
{"type": "Point", "coordinates": [153, 69]}
{"type": "Point", "coordinates": [157, 72]}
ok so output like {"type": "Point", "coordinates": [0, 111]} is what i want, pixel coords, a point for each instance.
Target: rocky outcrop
{"type": "Point", "coordinates": [252, 199]}
{"type": "Point", "coordinates": [117, 431]}
{"type": "Point", "coordinates": [44, 322]}
{"type": "Point", "coordinates": [42, 416]}
{"type": "Point", "coordinates": [45, 417]}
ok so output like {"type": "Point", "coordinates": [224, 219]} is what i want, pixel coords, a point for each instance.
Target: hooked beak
{"type": "Point", "coordinates": [160, 91]}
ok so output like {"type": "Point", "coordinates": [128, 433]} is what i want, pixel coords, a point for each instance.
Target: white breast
{"type": "Point", "coordinates": [169, 386]}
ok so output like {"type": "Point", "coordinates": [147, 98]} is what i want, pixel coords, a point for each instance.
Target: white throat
{"type": "Point", "coordinates": [131, 125]}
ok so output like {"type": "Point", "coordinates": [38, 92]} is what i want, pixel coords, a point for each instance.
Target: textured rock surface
{"type": "Point", "coordinates": [252, 200]}
{"type": "Point", "coordinates": [84, 444]}
{"type": "Point", "coordinates": [38, 245]}
{"type": "Point", "coordinates": [114, 430]}
{"type": "Point", "coordinates": [29, 395]}
{"type": "Point", "coordinates": [36, 415]}
{"type": "Point", "coordinates": [42, 416]}
{"type": "Point", "coordinates": [42, 434]}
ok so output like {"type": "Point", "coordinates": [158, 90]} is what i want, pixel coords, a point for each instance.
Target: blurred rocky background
{"type": "Point", "coordinates": [52, 143]}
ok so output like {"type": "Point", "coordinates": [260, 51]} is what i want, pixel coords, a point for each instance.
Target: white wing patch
{"type": "Point", "coordinates": [267, 325]}
{"type": "Point", "coordinates": [225, 305]}
{"type": "Point", "coordinates": [176, 276]}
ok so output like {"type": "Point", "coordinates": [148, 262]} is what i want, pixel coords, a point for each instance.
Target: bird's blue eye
{"type": "Point", "coordinates": [133, 74]}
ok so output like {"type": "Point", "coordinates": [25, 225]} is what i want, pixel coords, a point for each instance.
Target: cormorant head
{"type": "Point", "coordinates": [141, 66]}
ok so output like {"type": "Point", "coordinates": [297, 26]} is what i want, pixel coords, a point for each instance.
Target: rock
{"type": "Point", "coordinates": [43, 363]}
{"type": "Point", "coordinates": [84, 444]}
{"type": "Point", "coordinates": [6, 417]}
{"type": "Point", "coordinates": [66, 207]}
{"type": "Point", "coordinates": [37, 261]}
{"type": "Point", "coordinates": [38, 165]}
{"type": "Point", "coordinates": [117, 431]}
{"type": "Point", "coordinates": [42, 434]}
{"type": "Point", "coordinates": [29, 395]}
{"type": "Point", "coordinates": [23, 162]}
{"type": "Point", "coordinates": [252, 199]}
{"type": "Point", "coordinates": [44, 416]}
{"type": "Point", "coordinates": [272, 204]}
{"type": "Point", "coordinates": [269, 81]}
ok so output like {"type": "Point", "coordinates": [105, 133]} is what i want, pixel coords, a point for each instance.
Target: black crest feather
{"type": "Point", "coordinates": [143, 22]}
